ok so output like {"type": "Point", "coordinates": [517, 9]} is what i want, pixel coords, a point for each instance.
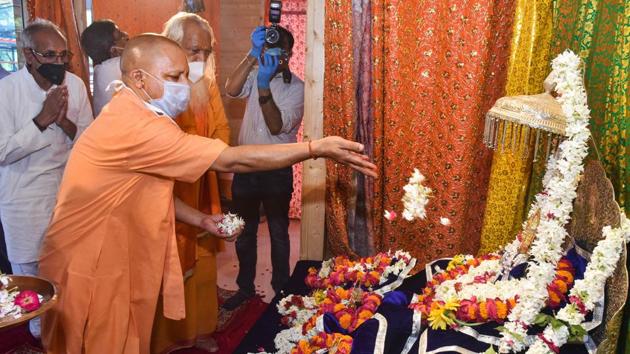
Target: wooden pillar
{"type": "Point", "coordinates": [314, 172]}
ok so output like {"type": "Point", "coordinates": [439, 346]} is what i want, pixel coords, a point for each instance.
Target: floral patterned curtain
{"type": "Point", "coordinates": [436, 68]}
{"type": "Point", "coordinates": [509, 180]}
{"type": "Point", "coordinates": [62, 13]}
{"type": "Point", "coordinates": [294, 19]}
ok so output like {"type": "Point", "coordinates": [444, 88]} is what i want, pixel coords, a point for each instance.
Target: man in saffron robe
{"type": "Point", "coordinates": [111, 244]}
{"type": "Point", "coordinates": [205, 117]}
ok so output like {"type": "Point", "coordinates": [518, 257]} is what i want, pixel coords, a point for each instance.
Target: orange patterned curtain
{"type": "Point", "coordinates": [436, 68]}
{"type": "Point", "coordinates": [61, 12]}
{"type": "Point", "coordinates": [339, 119]}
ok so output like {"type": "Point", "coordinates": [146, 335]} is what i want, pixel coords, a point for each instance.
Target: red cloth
{"type": "Point", "coordinates": [17, 338]}
{"type": "Point", "coordinates": [229, 337]}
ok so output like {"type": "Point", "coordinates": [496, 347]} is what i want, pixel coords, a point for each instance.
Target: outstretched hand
{"type": "Point", "coordinates": [209, 223]}
{"type": "Point", "coordinates": [346, 152]}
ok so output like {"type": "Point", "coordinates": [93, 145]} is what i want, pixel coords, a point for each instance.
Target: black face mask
{"type": "Point", "coordinates": [55, 73]}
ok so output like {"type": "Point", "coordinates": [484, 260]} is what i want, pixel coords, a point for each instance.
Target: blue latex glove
{"type": "Point", "coordinates": [267, 67]}
{"type": "Point", "coordinates": [258, 41]}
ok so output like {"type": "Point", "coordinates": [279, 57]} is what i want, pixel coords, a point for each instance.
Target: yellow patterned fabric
{"type": "Point", "coordinates": [509, 179]}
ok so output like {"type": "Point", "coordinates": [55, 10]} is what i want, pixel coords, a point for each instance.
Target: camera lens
{"type": "Point", "coordinates": [272, 36]}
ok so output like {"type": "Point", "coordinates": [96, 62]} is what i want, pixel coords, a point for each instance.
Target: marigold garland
{"type": "Point", "coordinates": [367, 272]}
{"type": "Point", "coordinates": [334, 342]}
{"type": "Point", "coordinates": [455, 312]}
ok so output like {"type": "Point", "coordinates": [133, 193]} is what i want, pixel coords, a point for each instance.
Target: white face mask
{"type": "Point", "coordinates": [175, 98]}
{"type": "Point", "coordinates": [195, 70]}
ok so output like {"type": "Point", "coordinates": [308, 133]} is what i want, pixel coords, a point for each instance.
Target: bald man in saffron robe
{"type": "Point", "coordinates": [111, 247]}
{"type": "Point", "coordinates": [205, 116]}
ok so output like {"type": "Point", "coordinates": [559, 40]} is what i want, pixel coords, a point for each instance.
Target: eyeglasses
{"type": "Point", "coordinates": [65, 56]}
{"type": "Point", "coordinates": [205, 52]}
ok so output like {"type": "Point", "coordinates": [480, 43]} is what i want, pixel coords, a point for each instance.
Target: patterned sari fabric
{"type": "Point", "coordinates": [509, 179]}
{"type": "Point", "coordinates": [599, 31]}
{"type": "Point", "coordinates": [437, 67]}
{"type": "Point", "coordinates": [339, 119]}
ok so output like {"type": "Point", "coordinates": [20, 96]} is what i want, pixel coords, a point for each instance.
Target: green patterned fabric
{"type": "Point", "coordinates": [599, 32]}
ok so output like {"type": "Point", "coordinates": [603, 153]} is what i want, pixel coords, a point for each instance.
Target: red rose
{"type": "Point", "coordinates": [27, 300]}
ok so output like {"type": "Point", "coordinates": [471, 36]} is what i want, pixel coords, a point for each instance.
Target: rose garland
{"type": "Point", "coordinates": [586, 292]}
{"type": "Point", "coordinates": [555, 203]}
{"type": "Point", "coordinates": [466, 293]}
{"type": "Point", "coordinates": [366, 272]}
{"type": "Point", "coordinates": [351, 307]}
{"type": "Point", "coordinates": [334, 342]}
{"type": "Point", "coordinates": [297, 310]}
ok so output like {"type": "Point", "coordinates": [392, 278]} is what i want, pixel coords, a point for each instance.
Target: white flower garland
{"type": "Point", "coordinates": [555, 203]}
{"type": "Point", "coordinates": [416, 197]}
{"type": "Point", "coordinates": [589, 290]}
{"type": "Point", "coordinates": [469, 287]}
{"type": "Point", "coordinates": [403, 259]}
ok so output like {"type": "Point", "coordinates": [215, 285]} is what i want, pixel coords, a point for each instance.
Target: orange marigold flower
{"type": "Point", "coordinates": [511, 303]}
{"type": "Point", "coordinates": [483, 311]}
{"type": "Point", "coordinates": [345, 320]}
{"type": "Point", "coordinates": [502, 310]}
{"type": "Point", "coordinates": [472, 313]}
{"type": "Point", "coordinates": [554, 297]}
{"type": "Point", "coordinates": [563, 287]}
{"type": "Point", "coordinates": [566, 275]}
{"type": "Point", "coordinates": [341, 292]}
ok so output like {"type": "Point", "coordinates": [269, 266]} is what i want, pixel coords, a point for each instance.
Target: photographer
{"type": "Point", "coordinates": [275, 105]}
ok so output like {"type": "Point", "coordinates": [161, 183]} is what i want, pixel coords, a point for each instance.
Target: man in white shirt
{"type": "Point", "coordinates": [43, 111]}
{"type": "Point", "coordinates": [104, 42]}
{"type": "Point", "coordinates": [275, 105]}
{"type": "Point", "coordinates": [3, 72]}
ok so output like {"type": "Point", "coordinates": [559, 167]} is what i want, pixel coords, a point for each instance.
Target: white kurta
{"type": "Point", "coordinates": [104, 74]}
{"type": "Point", "coordinates": [31, 161]}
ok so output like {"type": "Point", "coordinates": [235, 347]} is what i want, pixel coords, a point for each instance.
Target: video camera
{"type": "Point", "coordinates": [272, 36]}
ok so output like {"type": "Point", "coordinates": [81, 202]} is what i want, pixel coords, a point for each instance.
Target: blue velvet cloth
{"type": "Point", "coordinates": [394, 309]}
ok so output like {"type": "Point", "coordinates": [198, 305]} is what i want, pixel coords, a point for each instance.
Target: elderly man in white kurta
{"type": "Point", "coordinates": [43, 110]}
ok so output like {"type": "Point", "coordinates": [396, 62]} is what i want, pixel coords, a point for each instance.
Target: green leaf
{"type": "Point", "coordinates": [576, 333]}
{"type": "Point", "coordinates": [555, 324]}
{"type": "Point", "coordinates": [542, 319]}
{"type": "Point", "coordinates": [490, 351]}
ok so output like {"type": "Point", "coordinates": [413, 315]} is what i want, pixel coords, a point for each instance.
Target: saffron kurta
{"type": "Point", "coordinates": [111, 243]}
{"type": "Point", "coordinates": [197, 257]}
